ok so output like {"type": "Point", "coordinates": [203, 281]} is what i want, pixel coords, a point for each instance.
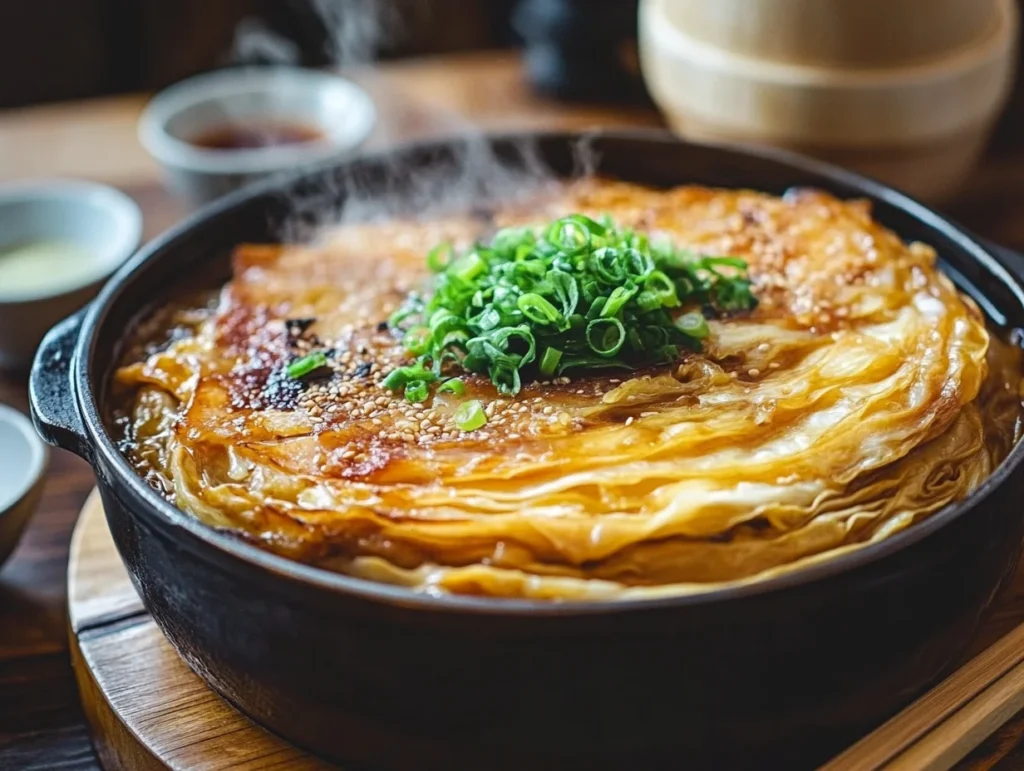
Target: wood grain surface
{"type": "Point", "coordinates": [42, 727]}
{"type": "Point", "coordinates": [131, 679]}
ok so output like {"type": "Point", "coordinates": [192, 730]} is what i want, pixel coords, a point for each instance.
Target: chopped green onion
{"type": "Point", "coordinates": [549, 362]}
{"type": "Point", "coordinates": [395, 380]}
{"type": "Point", "coordinates": [609, 265]}
{"type": "Point", "coordinates": [404, 378]}
{"type": "Point", "coordinates": [591, 225]}
{"type": "Point", "coordinates": [470, 266]}
{"type": "Point", "coordinates": [648, 301]}
{"type": "Point", "coordinates": [663, 288]}
{"type": "Point", "coordinates": [636, 264]}
{"type": "Point", "coordinates": [470, 416]}
{"type": "Point", "coordinates": [307, 364]}
{"type": "Point", "coordinates": [732, 262]}
{"type": "Point", "coordinates": [606, 336]}
{"type": "Point", "coordinates": [454, 386]}
{"type": "Point", "coordinates": [506, 377]}
{"type": "Point", "coordinates": [440, 257]}
{"type": "Point", "coordinates": [417, 341]}
{"type": "Point", "coordinates": [566, 289]}
{"type": "Point", "coordinates": [617, 299]}
{"type": "Point", "coordinates": [694, 325]}
{"type": "Point", "coordinates": [539, 310]}
{"type": "Point", "coordinates": [569, 235]}
{"type": "Point", "coordinates": [489, 319]}
{"type": "Point", "coordinates": [417, 391]}
{"type": "Point", "coordinates": [578, 294]}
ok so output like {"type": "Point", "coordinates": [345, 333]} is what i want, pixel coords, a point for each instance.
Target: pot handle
{"type": "Point", "coordinates": [51, 390]}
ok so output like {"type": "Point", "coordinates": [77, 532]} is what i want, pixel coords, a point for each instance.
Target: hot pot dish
{"type": "Point", "coordinates": [634, 469]}
{"type": "Point", "coordinates": [850, 392]}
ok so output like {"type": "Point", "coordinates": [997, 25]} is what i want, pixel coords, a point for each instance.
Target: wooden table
{"type": "Point", "coordinates": [41, 726]}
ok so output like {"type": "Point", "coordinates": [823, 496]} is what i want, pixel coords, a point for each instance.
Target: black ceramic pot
{"type": "Point", "coordinates": [778, 674]}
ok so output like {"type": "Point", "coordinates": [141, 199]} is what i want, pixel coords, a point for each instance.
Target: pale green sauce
{"type": "Point", "coordinates": [44, 267]}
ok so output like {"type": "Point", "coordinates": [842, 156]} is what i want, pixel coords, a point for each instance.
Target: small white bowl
{"type": "Point", "coordinates": [24, 458]}
{"type": "Point", "coordinates": [341, 111]}
{"type": "Point", "coordinates": [103, 223]}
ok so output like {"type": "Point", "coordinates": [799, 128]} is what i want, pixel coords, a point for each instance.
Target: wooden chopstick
{"type": "Point", "coordinates": [953, 718]}
{"type": "Point", "coordinates": [966, 729]}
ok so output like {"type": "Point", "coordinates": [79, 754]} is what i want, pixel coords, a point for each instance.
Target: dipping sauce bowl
{"type": "Point", "coordinates": [219, 131]}
{"type": "Point", "coordinates": [59, 241]}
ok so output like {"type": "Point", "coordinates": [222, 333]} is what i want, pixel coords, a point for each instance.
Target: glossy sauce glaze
{"type": "Point", "coordinates": [862, 395]}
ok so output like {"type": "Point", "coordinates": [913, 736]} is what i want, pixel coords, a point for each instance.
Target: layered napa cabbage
{"type": "Point", "coordinates": [863, 395]}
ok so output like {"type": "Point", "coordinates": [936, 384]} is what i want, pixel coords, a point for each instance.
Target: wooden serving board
{"type": "Point", "coordinates": [149, 712]}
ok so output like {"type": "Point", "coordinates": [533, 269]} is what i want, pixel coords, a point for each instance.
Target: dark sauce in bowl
{"type": "Point", "coordinates": [256, 135]}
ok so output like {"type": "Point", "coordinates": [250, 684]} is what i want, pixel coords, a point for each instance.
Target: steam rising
{"type": "Point", "coordinates": [468, 175]}
{"type": "Point", "coordinates": [357, 29]}
{"type": "Point", "coordinates": [256, 42]}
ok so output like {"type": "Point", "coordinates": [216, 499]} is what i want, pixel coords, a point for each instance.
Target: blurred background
{"type": "Point", "coordinates": [103, 47]}
{"type": "Point", "coordinates": [99, 47]}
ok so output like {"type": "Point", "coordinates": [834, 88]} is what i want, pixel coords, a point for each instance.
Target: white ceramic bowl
{"type": "Point", "coordinates": [336, 107]}
{"type": "Point", "coordinates": [102, 222]}
{"type": "Point", "coordinates": [23, 458]}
